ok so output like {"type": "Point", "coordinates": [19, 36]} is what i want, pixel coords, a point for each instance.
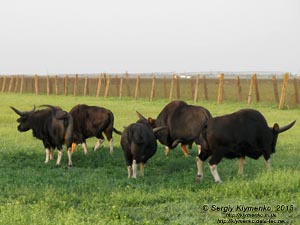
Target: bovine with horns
{"type": "Point", "coordinates": [184, 124]}
{"type": "Point", "coordinates": [139, 144]}
{"type": "Point", "coordinates": [52, 125]}
{"type": "Point", "coordinates": [237, 135]}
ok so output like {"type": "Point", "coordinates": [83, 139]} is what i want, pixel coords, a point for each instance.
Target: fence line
{"type": "Point", "coordinates": [220, 88]}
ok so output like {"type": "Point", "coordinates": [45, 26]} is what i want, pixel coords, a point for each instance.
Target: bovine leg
{"type": "Point", "coordinates": [134, 169]}
{"type": "Point", "coordinates": [129, 168]}
{"type": "Point", "coordinates": [74, 145]}
{"type": "Point", "coordinates": [184, 150]}
{"type": "Point", "coordinates": [111, 145]}
{"type": "Point", "coordinates": [59, 156]}
{"type": "Point", "coordinates": [70, 157]}
{"type": "Point", "coordinates": [167, 150]}
{"type": "Point", "coordinates": [142, 165]}
{"type": "Point", "coordinates": [51, 151]}
{"type": "Point", "coordinates": [241, 166]}
{"type": "Point", "coordinates": [47, 155]}
{"type": "Point", "coordinates": [85, 148]}
{"type": "Point", "coordinates": [214, 172]}
{"type": "Point", "coordinates": [268, 166]}
{"type": "Point", "coordinates": [199, 162]}
{"type": "Point", "coordinates": [199, 149]}
{"type": "Point", "coordinates": [98, 144]}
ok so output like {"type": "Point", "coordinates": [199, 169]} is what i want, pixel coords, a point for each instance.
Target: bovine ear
{"type": "Point", "coordinates": [275, 127]}
{"type": "Point", "coordinates": [150, 120]}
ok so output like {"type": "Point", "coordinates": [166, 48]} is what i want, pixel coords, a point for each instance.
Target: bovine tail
{"type": "Point", "coordinates": [117, 132]}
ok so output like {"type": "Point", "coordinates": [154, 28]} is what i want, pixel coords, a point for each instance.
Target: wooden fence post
{"type": "Point", "coordinates": [296, 91]}
{"type": "Point", "coordinates": [16, 83]}
{"type": "Point", "coordinates": [11, 81]}
{"type": "Point", "coordinates": [171, 88]}
{"type": "Point", "coordinates": [196, 89]}
{"type": "Point", "coordinates": [107, 86]}
{"type": "Point", "coordinates": [137, 87]}
{"type": "Point", "coordinates": [66, 85]}
{"type": "Point", "coordinates": [283, 90]}
{"type": "Point", "coordinates": [48, 84]}
{"type": "Point", "coordinates": [205, 88]}
{"type": "Point", "coordinates": [165, 86]}
{"type": "Point", "coordinates": [117, 85]}
{"type": "Point", "coordinates": [127, 85]}
{"type": "Point", "coordinates": [178, 87]}
{"type": "Point", "coordinates": [99, 85]}
{"type": "Point", "coordinates": [21, 84]}
{"type": "Point", "coordinates": [75, 85]}
{"type": "Point", "coordinates": [256, 87]}
{"type": "Point", "coordinates": [56, 84]}
{"type": "Point", "coordinates": [152, 94]}
{"type": "Point", "coordinates": [36, 84]}
{"type": "Point", "coordinates": [121, 87]}
{"type": "Point", "coordinates": [192, 83]}
{"type": "Point", "coordinates": [239, 88]}
{"type": "Point", "coordinates": [250, 91]}
{"type": "Point", "coordinates": [275, 88]}
{"type": "Point", "coordinates": [85, 86]}
{"type": "Point", "coordinates": [221, 88]}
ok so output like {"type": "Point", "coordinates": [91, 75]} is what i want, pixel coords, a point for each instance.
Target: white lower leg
{"type": "Point", "coordinates": [51, 151]}
{"type": "Point", "coordinates": [167, 150]}
{"type": "Point", "coordinates": [129, 168]}
{"type": "Point", "coordinates": [84, 146]}
{"type": "Point", "coordinates": [199, 149]}
{"type": "Point", "coordinates": [59, 156]}
{"type": "Point", "coordinates": [111, 146]}
{"type": "Point", "coordinates": [98, 144]}
{"type": "Point", "coordinates": [268, 165]}
{"type": "Point", "coordinates": [200, 168]}
{"type": "Point", "coordinates": [134, 169]}
{"type": "Point", "coordinates": [47, 155]}
{"type": "Point", "coordinates": [214, 172]}
{"type": "Point", "coordinates": [70, 157]}
{"type": "Point", "coordinates": [241, 166]}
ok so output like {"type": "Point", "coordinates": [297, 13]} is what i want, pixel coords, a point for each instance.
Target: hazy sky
{"type": "Point", "coordinates": [114, 36]}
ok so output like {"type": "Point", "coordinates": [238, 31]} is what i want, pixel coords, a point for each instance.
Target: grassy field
{"type": "Point", "coordinates": [97, 191]}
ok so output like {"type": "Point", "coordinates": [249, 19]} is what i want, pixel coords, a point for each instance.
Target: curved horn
{"type": "Point", "coordinates": [33, 108]}
{"type": "Point", "coordinates": [140, 116]}
{"type": "Point", "coordinates": [159, 129]}
{"type": "Point", "coordinates": [282, 129]}
{"type": "Point", "coordinates": [17, 111]}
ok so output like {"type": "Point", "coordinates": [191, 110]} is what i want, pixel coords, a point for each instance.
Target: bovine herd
{"type": "Point", "coordinates": [237, 135]}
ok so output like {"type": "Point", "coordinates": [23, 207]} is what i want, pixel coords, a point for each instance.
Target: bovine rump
{"type": "Point", "coordinates": [92, 121]}
{"type": "Point", "coordinates": [184, 124]}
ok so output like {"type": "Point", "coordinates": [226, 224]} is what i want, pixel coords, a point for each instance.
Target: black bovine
{"type": "Point", "coordinates": [237, 135]}
{"type": "Point", "coordinates": [52, 125]}
{"type": "Point", "coordinates": [184, 124]}
{"type": "Point", "coordinates": [92, 121]}
{"type": "Point", "coordinates": [138, 142]}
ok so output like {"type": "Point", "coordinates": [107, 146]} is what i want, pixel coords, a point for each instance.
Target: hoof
{"type": "Point", "coordinates": [219, 182]}
{"type": "Point", "coordinates": [198, 178]}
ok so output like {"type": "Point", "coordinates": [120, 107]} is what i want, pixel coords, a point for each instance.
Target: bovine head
{"type": "Point", "coordinates": [276, 130]}
{"type": "Point", "coordinates": [24, 123]}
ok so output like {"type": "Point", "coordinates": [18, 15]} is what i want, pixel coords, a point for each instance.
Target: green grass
{"type": "Point", "coordinates": [97, 191]}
